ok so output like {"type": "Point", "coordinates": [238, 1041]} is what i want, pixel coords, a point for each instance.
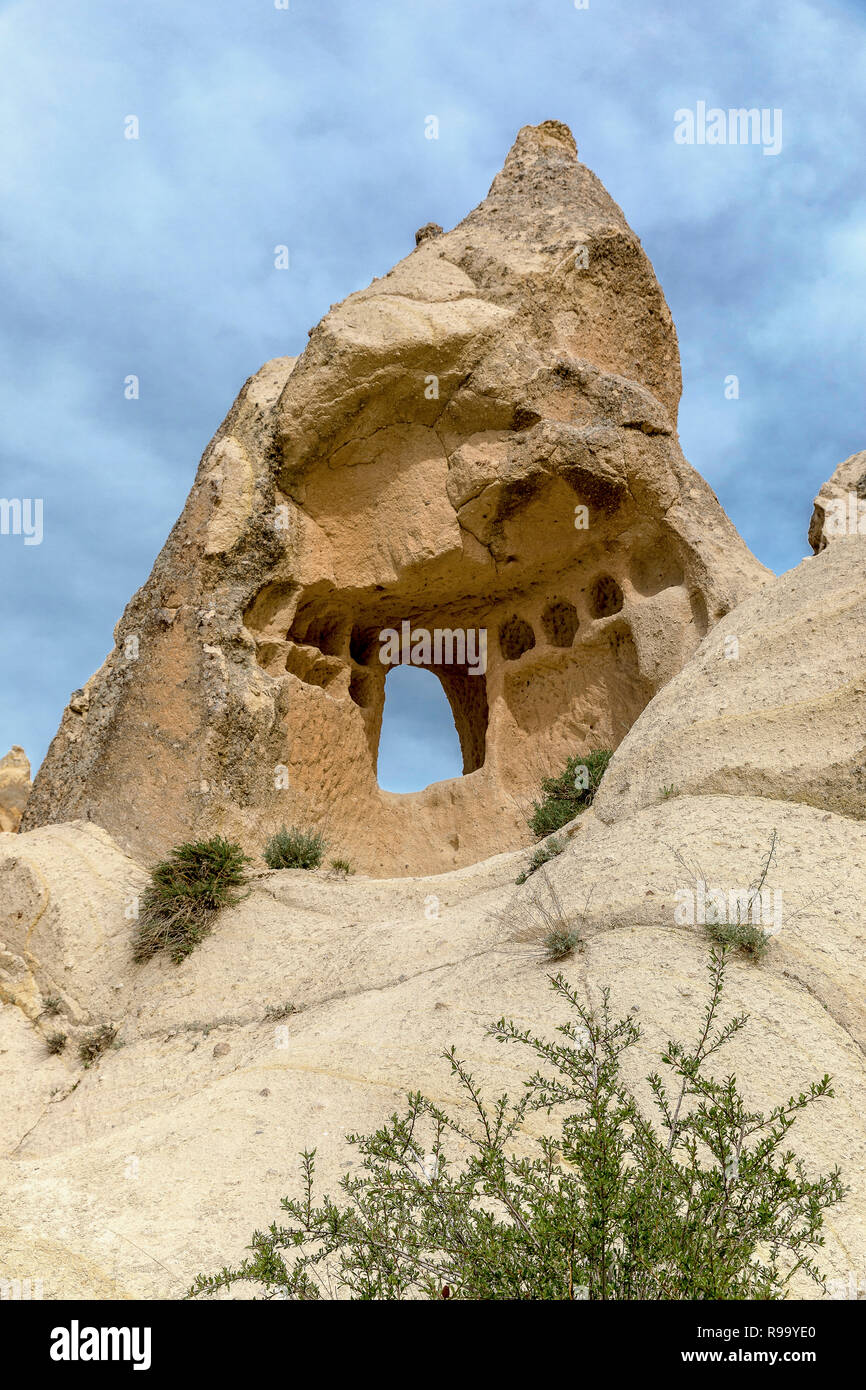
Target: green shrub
{"type": "Point", "coordinates": [697, 1201]}
{"type": "Point", "coordinates": [53, 1004]}
{"type": "Point", "coordinates": [560, 943]}
{"type": "Point", "coordinates": [295, 849]}
{"type": "Point", "coordinates": [55, 1042]}
{"type": "Point", "coordinates": [92, 1045]}
{"type": "Point", "coordinates": [744, 937]}
{"type": "Point", "coordinates": [344, 867]}
{"type": "Point", "coordinates": [184, 895]}
{"type": "Point", "coordinates": [562, 797]}
{"type": "Point", "coordinates": [541, 855]}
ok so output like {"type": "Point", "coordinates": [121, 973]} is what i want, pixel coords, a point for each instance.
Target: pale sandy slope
{"type": "Point", "coordinates": [165, 1156]}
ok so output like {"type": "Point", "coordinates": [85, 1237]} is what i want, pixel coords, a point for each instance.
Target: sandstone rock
{"type": "Point", "coordinates": [840, 507]}
{"type": "Point", "coordinates": [482, 441]}
{"type": "Point", "coordinates": [158, 1164]}
{"type": "Point", "coordinates": [773, 703]}
{"type": "Point", "coordinates": [14, 788]}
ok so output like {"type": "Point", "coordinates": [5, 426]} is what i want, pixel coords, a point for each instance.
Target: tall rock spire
{"type": "Point", "coordinates": [481, 442]}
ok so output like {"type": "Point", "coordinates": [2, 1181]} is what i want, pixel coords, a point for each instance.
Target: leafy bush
{"type": "Point", "coordinates": [541, 855]}
{"type": "Point", "coordinates": [699, 1202]}
{"type": "Point", "coordinates": [295, 849]}
{"type": "Point", "coordinates": [184, 894]}
{"type": "Point", "coordinates": [744, 937]}
{"type": "Point", "coordinates": [92, 1045]}
{"type": "Point", "coordinates": [563, 797]}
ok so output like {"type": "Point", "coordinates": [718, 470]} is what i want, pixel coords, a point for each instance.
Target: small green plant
{"type": "Point", "coordinates": [668, 791]}
{"type": "Point", "coordinates": [744, 937]}
{"type": "Point", "coordinates": [52, 1005]}
{"type": "Point", "coordinates": [696, 1198]}
{"type": "Point", "coordinates": [565, 796]}
{"type": "Point", "coordinates": [184, 895]}
{"type": "Point", "coordinates": [560, 943]}
{"type": "Point", "coordinates": [92, 1045]}
{"type": "Point", "coordinates": [278, 1011]}
{"type": "Point", "coordinates": [55, 1042]}
{"type": "Point", "coordinates": [295, 849]}
{"type": "Point", "coordinates": [541, 855]}
{"type": "Point", "coordinates": [343, 867]}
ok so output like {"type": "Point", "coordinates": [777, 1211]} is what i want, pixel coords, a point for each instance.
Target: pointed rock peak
{"type": "Point", "coordinates": [550, 140]}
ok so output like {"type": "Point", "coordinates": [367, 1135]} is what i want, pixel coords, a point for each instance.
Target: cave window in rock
{"type": "Point", "coordinates": [419, 743]}
{"type": "Point", "coordinates": [605, 596]}
{"type": "Point", "coordinates": [559, 622]}
{"type": "Point", "coordinates": [515, 638]}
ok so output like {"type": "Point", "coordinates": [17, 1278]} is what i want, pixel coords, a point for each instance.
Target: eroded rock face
{"type": "Point", "coordinates": [840, 507]}
{"type": "Point", "coordinates": [482, 442]}
{"type": "Point", "coordinates": [208, 1086]}
{"type": "Point", "coordinates": [773, 704]}
{"type": "Point", "coordinates": [14, 788]}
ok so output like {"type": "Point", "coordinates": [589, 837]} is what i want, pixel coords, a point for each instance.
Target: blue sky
{"type": "Point", "coordinates": [305, 127]}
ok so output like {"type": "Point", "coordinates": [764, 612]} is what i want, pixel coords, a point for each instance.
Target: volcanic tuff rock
{"type": "Point", "coordinates": [840, 507]}
{"type": "Point", "coordinates": [483, 439]}
{"type": "Point", "coordinates": [772, 704]}
{"type": "Point", "coordinates": [14, 787]}
{"type": "Point", "coordinates": [125, 1179]}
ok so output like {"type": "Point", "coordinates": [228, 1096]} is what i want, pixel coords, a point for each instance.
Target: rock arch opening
{"type": "Point", "coordinates": [419, 742]}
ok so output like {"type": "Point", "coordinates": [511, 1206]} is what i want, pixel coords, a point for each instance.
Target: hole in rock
{"type": "Point", "coordinates": [560, 623]}
{"type": "Point", "coordinates": [515, 638]}
{"type": "Point", "coordinates": [605, 596]}
{"type": "Point", "coordinates": [419, 743]}
{"type": "Point", "coordinates": [656, 568]}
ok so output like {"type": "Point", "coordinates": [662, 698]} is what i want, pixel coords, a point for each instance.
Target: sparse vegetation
{"type": "Point", "coordinates": [552, 928]}
{"type": "Point", "coordinates": [278, 1011]}
{"type": "Point", "coordinates": [744, 937]}
{"type": "Point", "coordinates": [55, 1042]}
{"type": "Point", "coordinates": [52, 1005]}
{"type": "Point", "coordinates": [560, 943]}
{"type": "Point", "coordinates": [668, 791]}
{"type": "Point", "coordinates": [184, 895]}
{"type": "Point", "coordinates": [565, 796]}
{"type": "Point", "coordinates": [295, 849]}
{"type": "Point", "coordinates": [694, 1200]}
{"type": "Point", "coordinates": [92, 1045]}
{"type": "Point", "coordinates": [541, 855]}
{"type": "Point", "coordinates": [343, 867]}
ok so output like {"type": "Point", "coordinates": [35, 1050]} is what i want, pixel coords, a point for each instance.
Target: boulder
{"type": "Point", "coordinates": [14, 788]}
{"type": "Point", "coordinates": [840, 507]}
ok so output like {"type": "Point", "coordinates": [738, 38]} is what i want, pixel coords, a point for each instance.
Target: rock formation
{"type": "Point", "coordinates": [482, 442]}
{"type": "Point", "coordinates": [127, 1179]}
{"type": "Point", "coordinates": [840, 507]}
{"type": "Point", "coordinates": [773, 704]}
{"type": "Point", "coordinates": [14, 788]}
{"type": "Point", "coordinates": [338, 501]}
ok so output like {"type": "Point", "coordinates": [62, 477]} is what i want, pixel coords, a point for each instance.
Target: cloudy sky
{"type": "Point", "coordinates": [305, 126]}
